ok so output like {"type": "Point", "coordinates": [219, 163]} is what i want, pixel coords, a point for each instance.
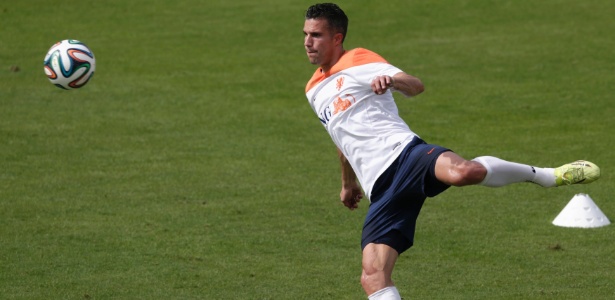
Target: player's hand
{"type": "Point", "coordinates": [380, 84]}
{"type": "Point", "coordinates": [351, 196]}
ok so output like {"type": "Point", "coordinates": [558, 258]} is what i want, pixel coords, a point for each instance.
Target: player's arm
{"type": "Point", "coordinates": [351, 193]}
{"type": "Point", "coordinates": [406, 84]}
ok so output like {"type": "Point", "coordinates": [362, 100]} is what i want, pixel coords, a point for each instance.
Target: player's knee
{"type": "Point", "coordinates": [469, 173]}
{"type": "Point", "coordinates": [372, 280]}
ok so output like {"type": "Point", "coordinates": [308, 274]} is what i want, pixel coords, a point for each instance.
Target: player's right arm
{"type": "Point", "coordinates": [351, 193]}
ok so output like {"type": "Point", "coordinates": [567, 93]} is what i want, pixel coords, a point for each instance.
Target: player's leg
{"type": "Point", "coordinates": [454, 170]}
{"type": "Point", "coordinates": [501, 172]}
{"type": "Point", "coordinates": [491, 171]}
{"type": "Point", "coordinates": [378, 262]}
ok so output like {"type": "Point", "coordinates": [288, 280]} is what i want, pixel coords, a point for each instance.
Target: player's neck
{"type": "Point", "coordinates": [335, 58]}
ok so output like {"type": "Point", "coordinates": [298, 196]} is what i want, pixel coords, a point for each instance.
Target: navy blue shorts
{"type": "Point", "coordinates": [399, 194]}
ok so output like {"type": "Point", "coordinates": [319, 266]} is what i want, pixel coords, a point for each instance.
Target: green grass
{"type": "Point", "coordinates": [191, 166]}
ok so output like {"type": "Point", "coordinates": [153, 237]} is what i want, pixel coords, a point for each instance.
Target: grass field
{"type": "Point", "coordinates": [191, 166]}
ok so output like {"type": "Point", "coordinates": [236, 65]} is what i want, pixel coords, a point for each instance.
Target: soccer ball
{"type": "Point", "coordinates": [69, 64]}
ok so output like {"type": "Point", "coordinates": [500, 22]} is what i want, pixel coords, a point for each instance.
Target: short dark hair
{"type": "Point", "coordinates": [334, 15]}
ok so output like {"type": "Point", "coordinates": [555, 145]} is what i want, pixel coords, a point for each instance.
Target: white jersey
{"type": "Point", "coordinates": [365, 126]}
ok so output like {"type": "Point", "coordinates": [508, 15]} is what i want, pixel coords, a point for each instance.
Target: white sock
{"type": "Point", "coordinates": [501, 172]}
{"type": "Point", "coordinates": [387, 293]}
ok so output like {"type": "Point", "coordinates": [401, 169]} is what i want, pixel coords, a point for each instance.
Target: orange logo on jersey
{"type": "Point", "coordinates": [341, 105]}
{"type": "Point", "coordinates": [340, 82]}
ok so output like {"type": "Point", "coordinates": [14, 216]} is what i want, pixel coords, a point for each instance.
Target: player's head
{"type": "Point", "coordinates": [335, 16]}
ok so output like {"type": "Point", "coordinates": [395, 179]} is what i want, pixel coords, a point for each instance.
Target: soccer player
{"type": "Point", "coordinates": [351, 93]}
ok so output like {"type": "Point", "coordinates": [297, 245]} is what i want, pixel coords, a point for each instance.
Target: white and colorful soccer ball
{"type": "Point", "coordinates": [69, 64]}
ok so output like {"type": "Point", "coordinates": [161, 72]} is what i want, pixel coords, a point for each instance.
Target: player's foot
{"type": "Point", "coordinates": [580, 171]}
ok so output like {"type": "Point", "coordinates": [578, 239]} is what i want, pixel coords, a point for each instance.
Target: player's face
{"type": "Point", "coordinates": [320, 42]}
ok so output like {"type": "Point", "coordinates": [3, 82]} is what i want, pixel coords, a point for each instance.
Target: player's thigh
{"type": "Point", "coordinates": [379, 257]}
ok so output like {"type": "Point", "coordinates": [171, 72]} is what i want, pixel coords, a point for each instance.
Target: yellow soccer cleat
{"type": "Point", "coordinates": [580, 171]}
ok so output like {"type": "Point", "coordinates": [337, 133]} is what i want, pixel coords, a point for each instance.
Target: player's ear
{"type": "Point", "coordinates": [338, 38]}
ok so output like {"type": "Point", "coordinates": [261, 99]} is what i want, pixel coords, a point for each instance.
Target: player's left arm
{"type": "Point", "coordinates": [405, 83]}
